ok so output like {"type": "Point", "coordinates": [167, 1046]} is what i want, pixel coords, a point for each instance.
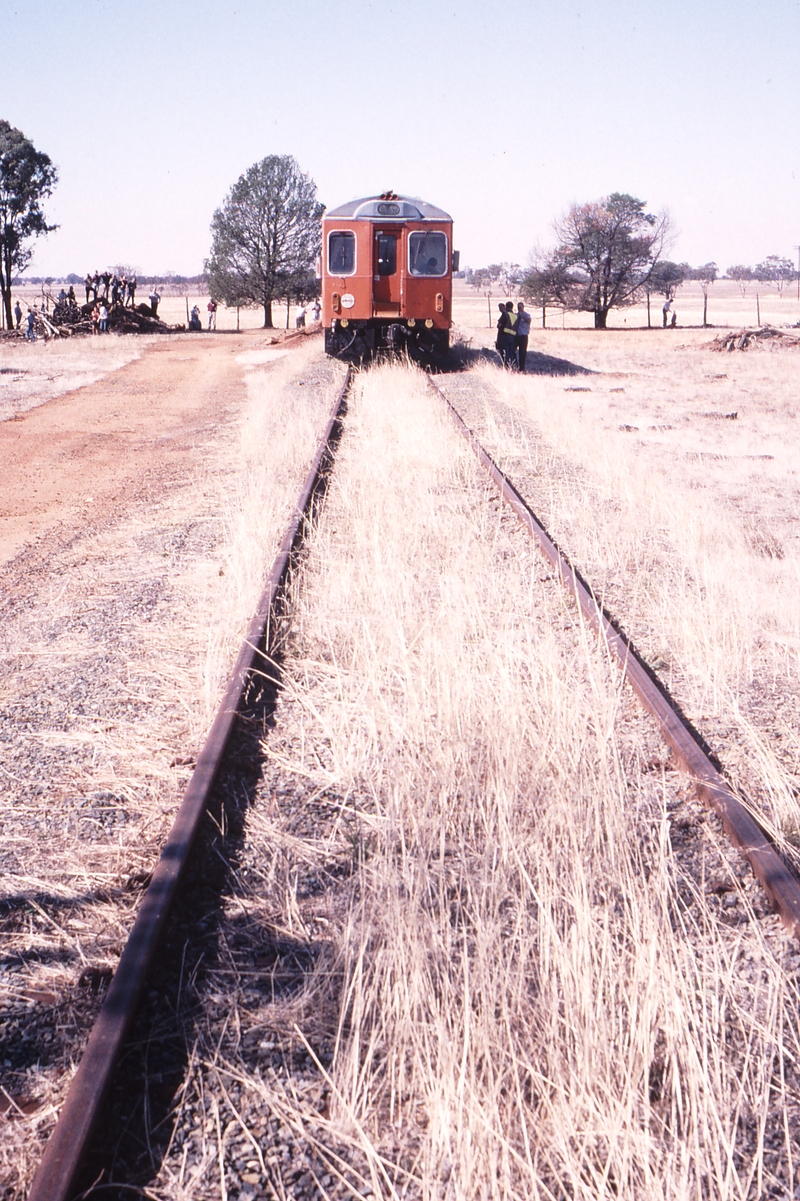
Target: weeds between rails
{"type": "Point", "coordinates": [264, 716]}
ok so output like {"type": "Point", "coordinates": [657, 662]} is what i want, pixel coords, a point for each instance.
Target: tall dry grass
{"type": "Point", "coordinates": [523, 1005]}
{"type": "Point", "coordinates": [681, 550]}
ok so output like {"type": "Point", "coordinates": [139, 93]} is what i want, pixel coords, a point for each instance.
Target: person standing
{"type": "Point", "coordinates": [300, 319]}
{"type": "Point", "coordinates": [103, 318]}
{"type": "Point", "coordinates": [132, 290]}
{"type": "Point", "coordinates": [316, 309]}
{"type": "Point", "coordinates": [87, 284]}
{"type": "Point", "coordinates": [507, 334]}
{"type": "Point", "coordinates": [95, 319]}
{"type": "Point", "coordinates": [665, 311]}
{"type": "Point", "coordinates": [30, 323]}
{"type": "Point", "coordinates": [18, 314]}
{"type": "Point", "coordinates": [521, 339]}
{"type": "Point", "coordinates": [154, 301]}
{"type": "Point", "coordinates": [212, 314]}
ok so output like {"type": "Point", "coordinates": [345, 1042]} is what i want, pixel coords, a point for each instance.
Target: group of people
{"type": "Point", "coordinates": [513, 329]}
{"type": "Point", "coordinates": [302, 314]}
{"type": "Point", "coordinates": [107, 285]}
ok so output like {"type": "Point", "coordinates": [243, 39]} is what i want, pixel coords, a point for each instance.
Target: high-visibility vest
{"type": "Point", "coordinates": [511, 323]}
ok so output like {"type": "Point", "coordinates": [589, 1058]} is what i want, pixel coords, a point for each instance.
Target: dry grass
{"type": "Point", "coordinates": [524, 994]}
{"type": "Point", "coordinates": [30, 375]}
{"type": "Point", "coordinates": [686, 530]}
{"type": "Point", "coordinates": [111, 679]}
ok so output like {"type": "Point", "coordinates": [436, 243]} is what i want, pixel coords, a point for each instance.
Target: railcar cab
{"type": "Point", "coordinates": [387, 276]}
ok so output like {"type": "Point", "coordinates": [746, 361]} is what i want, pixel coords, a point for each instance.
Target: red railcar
{"type": "Point", "coordinates": [387, 276]}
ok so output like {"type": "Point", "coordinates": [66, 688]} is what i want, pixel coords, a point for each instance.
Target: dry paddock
{"type": "Point", "coordinates": [460, 930]}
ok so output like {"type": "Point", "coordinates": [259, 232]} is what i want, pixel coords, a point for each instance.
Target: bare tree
{"type": "Point", "coordinates": [705, 276]}
{"type": "Point", "coordinates": [743, 275]}
{"type": "Point", "coordinates": [547, 283]}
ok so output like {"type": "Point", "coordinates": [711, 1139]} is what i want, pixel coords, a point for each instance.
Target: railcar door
{"type": "Point", "coordinates": [386, 277]}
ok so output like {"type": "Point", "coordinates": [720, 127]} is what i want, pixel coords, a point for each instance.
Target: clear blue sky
{"type": "Point", "coordinates": [501, 113]}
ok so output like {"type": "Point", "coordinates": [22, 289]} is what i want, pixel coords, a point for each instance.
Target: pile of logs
{"type": "Point", "coordinates": [746, 339]}
{"type": "Point", "coordinates": [67, 319]}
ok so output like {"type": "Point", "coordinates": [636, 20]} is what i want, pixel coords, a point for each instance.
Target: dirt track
{"type": "Point", "coordinates": [81, 458]}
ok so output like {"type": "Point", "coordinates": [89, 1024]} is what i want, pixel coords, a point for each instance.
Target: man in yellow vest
{"type": "Point", "coordinates": [506, 341]}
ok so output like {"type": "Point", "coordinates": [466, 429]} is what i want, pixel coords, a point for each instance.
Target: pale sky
{"type": "Point", "coordinates": [502, 113]}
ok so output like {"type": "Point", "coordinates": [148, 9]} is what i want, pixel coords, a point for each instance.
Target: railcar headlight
{"type": "Point", "coordinates": [344, 322]}
{"type": "Point", "coordinates": [411, 322]}
{"type": "Point", "coordinates": [429, 323]}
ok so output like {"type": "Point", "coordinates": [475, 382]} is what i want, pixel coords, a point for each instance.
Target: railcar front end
{"type": "Point", "coordinates": [387, 277]}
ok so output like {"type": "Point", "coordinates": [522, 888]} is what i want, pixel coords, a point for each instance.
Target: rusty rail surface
{"type": "Point", "coordinates": [61, 1162]}
{"type": "Point", "coordinates": [742, 828]}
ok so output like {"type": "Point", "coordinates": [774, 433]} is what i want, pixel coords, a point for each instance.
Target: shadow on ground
{"type": "Point", "coordinates": [461, 357]}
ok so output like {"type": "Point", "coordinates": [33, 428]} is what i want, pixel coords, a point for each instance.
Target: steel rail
{"type": "Point", "coordinates": [779, 882]}
{"type": "Point", "coordinates": [58, 1169]}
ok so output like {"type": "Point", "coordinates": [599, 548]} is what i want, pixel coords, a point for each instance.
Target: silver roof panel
{"type": "Point", "coordinates": [409, 208]}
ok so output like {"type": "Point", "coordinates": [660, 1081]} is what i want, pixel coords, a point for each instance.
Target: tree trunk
{"type": "Point", "coordinates": [268, 315]}
{"type": "Point", "coordinates": [600, 317]}
{"type": "Point", "coordinates": [6, 301]}
{"type": "Point", "coordinates": [544, 316]}
{"type": "Point", "coordinates": [705, 309]}
{"type": "Point", "coordinates": [649, 326]}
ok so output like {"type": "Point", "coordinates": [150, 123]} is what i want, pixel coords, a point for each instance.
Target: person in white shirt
{"type": "Point", "coordinates": [521, 334]}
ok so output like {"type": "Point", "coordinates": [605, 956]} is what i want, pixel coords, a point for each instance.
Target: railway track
{"type": "Point", "coordinates": [61, 1164]}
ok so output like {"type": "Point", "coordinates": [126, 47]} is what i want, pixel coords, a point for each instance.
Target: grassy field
{"type": "Point", "coordinates": [533, 969]}
{"type": "Point", "coordinates": [522, 988]}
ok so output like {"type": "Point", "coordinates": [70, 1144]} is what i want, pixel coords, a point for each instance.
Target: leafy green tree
{"type": "Point", "coordinates": [265, 236]}
{"type": "Point", "coordinates": [27, 177]}
{"type": "Point", "coordinates": [609, 248]}
{"type": "Point", "coordinates": [776, 270]}
{"type": "Point", "coordinates": [664, 280]}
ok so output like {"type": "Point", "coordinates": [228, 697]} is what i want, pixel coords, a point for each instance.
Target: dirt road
{"type": "Point", "coordinates": [80, 459]}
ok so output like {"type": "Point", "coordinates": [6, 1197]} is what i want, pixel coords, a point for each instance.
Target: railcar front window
{"type": "Point", "coordinates": [427, 253]}
{"type": "Point", "coordinates": [341, 252]}
{"type": "Point", "coordinates": [387, 254]}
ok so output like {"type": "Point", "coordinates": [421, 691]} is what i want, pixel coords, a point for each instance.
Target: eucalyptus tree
{"type": "Point", "coordinates": [27, 177]}
{"type": "Point", "coordinates": [265, 235]}
{"type": "Point", "coordinates": [609, 248]}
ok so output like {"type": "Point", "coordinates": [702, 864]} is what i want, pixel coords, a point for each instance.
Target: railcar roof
{"type": "Point", "coordinates": [411, 208]}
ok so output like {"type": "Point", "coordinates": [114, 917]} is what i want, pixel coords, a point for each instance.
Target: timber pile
{"type": "Point", "coordinates": [68, 319]}
{"type": "Point", "coordinates": [765, 338]}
